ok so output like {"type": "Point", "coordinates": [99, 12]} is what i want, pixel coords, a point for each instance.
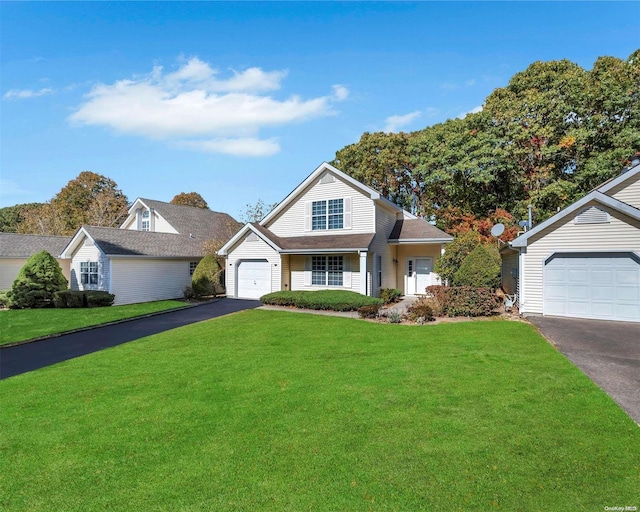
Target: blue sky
{"type": "Point", "coordinates": [240, 101]}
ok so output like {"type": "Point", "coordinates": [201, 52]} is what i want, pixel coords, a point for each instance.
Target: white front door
{"type": "Point", "coordinates": [418, 275]}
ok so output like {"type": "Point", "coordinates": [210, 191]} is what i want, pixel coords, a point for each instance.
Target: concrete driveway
{"type": "Point", "coordinates": [607, 352]}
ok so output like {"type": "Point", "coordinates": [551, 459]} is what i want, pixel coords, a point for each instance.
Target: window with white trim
{"type": "Point", "coordinates": [192, 267]}
{"type": "Point", "coordinates": [144, 225]}
{"type": "Point", "coordinates": [327, 214]}
{"type": "Point", "coordinates": [89, 272]}
{"type": "Point", "coordinates": [327, 270]}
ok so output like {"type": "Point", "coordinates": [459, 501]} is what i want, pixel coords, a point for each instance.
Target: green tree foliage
{"type": "Point", "coordinates": [455, 253]}
{"type": "Point", "coordinates": [480, 269]}
{"type": "Point", "coordinates": [190, 199]}
{"type": "Point", "coordinates": [37, 282]}
{"type": "Point", "coordinates": [552, 134]}
{"type": "Point", "coordinates": [11, 217]}
{"type": "Point", "coordinates": [207, 277]}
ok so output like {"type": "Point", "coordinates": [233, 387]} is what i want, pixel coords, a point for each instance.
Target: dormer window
{"type": "Point", "coordinates": [327, 214]}
{"type": "Point", "coordinates": [144, 225]}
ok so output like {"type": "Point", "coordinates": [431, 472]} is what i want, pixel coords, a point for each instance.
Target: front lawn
{"type": "Point", "coordinates": [267, 410]}
{"type": "Point", "coordinates": [25, 324]}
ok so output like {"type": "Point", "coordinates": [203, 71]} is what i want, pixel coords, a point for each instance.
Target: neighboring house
{"type": "Point", "coordinates": [333, 232]}
{"type": "Point", "coordinates": [583, 262]}
{"type": "Point", "coordinates": [16, 249]}
{"type": "Point", "coordinates": [151, 256]}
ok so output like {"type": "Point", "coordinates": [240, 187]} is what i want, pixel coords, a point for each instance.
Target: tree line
{"type": "Point", "coordinates": [550, 136]}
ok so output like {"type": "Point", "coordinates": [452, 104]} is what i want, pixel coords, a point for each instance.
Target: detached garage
{"type": "Point", "coordinates": [584, 262]}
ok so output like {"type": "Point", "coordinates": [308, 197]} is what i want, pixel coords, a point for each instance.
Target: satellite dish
{"type": "Point", "coordinates": [497, 230]}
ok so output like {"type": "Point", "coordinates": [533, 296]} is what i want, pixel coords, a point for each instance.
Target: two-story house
{"type": "Point", "coordinates": [333, 232]}
{"type": "Point", "coordinates": [583, 262]}
{"type": "Point", "coordinates": [151, 256]}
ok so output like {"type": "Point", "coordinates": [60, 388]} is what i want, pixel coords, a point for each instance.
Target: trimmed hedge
{"type": "Point", "coordinates": [463, 300]}
{"type": "Point", "coordinates": [82, 299]}
{"type": "Point", "coordinates": [334, 300]}
{"type": "Point", "coordinates": [421, 310]}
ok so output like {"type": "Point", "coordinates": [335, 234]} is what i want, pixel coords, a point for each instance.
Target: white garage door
{"type": "Point", "coordinates": [605, 287]}
{"type": "Point", "coordinates": [254, 279]}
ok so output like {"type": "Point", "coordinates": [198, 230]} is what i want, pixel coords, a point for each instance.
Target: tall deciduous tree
{"type": "Point", "coordinates": [256, 212]}
{"type": "Point", "coordinates": [190, 199]}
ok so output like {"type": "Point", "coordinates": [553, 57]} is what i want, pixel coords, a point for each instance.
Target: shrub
{"type": "Point", "coordinates": [188, 293]}
{"type": "Point", "coordinates": [455, 253]}
{"type": "Point", "coordinates": [4, 300]}
{"type": "Point", "coordinates": [470, 301]}
{"type": "Point", "coordinates": [98, 299]}
{"type": "Point", "coordinates": [438, 299]}
{"type": "Point", "coordinates": [206, 279]}
{"type": "Point", "coordinates": [335, 300]}
{"type": "Point", "coordinates": [421, 309]}
{"type": "Point", "coordinates": [38, 280]}
{"type": "Point", "coordinates": [69, 299]}
{"type": "Point", "coordinates": [479, 269]}
{"type": "Point", "coordinates": [394, 316]}
{"type": "Point", "coordinates": [390, 295]}
{"type": "Point", "coordinates": [370, 311]}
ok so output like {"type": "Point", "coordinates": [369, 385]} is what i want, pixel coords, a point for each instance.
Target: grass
{"type": "Point", "coordinates": [267, 410]}
{"type": "Point", "coordinates": [335, 300]}
{"type": "Point", "coordinates": [25, 324]}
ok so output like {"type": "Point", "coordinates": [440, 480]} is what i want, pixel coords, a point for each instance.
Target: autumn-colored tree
{"type": "Point", "coordinates": [190, 199]}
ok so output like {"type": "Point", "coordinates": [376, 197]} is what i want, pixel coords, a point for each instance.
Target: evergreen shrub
{"type": "Point", "coordinates": [480, 269]}
{"type": "Point", "coordinates": [207, 277]}
{"type": "Point", "coordinates": [37, 282]}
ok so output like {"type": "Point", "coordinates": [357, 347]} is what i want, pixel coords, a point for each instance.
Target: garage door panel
{"type": "Point", "coordinates": [593, 287]}
{"type": "Point", "coordinates": [254, 278]}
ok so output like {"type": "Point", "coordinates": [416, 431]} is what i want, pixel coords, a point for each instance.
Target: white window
{"type": "Point", "coordinates": [192, 267]}
{"type": "Point", "coordinates": [89, 272]}
{"type": "Point", "coordinates": [327, 270]}
{"type": "Point", "coordinates": [327, 214]}
{"type": "Point", "coordinates": [144, 226]}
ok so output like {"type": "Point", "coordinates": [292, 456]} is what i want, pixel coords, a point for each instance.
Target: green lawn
{"type": "Point", "coordinates": [269, 410]}
{"type": "Point", "coordinates": [24, 324]}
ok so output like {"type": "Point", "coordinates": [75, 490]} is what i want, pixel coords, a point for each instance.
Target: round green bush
{"type": "Point", "coordinates": [207, 277]}
{"type": "Point", "coordinates": [480, 269]}
{"type": "Point", "coordinates": [37, 282]}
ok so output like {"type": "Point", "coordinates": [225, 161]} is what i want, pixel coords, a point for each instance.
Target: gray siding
{"type": "Point", "coordinates": [628, 192]}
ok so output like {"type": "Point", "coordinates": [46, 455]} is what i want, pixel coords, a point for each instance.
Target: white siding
{"type": "Point", "coordinates": [509, 265]}
{"type": "Point", "coordinates": [89, 253]}
{"type": "Point", "coordinates": [146, 280]}
{"type": "Point", "coordinates": [621, 233]}
{"type": "Point", "coordinates": [252, 250]}
{"type": "Point", "coordinates": [628, 192]}
{"type": "Point", "coordinates": [160, 225]}
{"type": "Point", "coordinates": [298, 265]}
{"type": "Point", "coordinates": [9, 268]}
{"type": "Point", "coordinates": [291, 222]}
{"type": "Point", "coordinates": [385, 220]}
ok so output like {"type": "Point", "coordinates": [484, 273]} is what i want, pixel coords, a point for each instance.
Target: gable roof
{"type": "Point", "coordinates": [621, 178]}
{"type": "Point", "coordinates": [417, 230]}
{"type": "Point", "coordinates": [324, 167]}
{"type": "Point", "coordinates": [595, 196]}
{"type": "Point", "coordinates": [202, 223]}
{"type": "Point", "coordinates": [17, 245]}
{"type": "Point", "coordinates": [126, 242]}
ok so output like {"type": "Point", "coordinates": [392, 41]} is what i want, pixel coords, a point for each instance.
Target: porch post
{"type": "Point", "coordinates": [363, 272]}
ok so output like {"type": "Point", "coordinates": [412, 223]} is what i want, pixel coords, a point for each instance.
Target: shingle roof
{"type": "Point", "coordinates": [16, 245]}
{"type": "Point", "coordinates": [202, 224]}
{"type": "Point", "coordinates": [319, 242]}
{"type": "Point", "coordinates": [127, 242]}
{"type": "Point", "coordinates": [417, 229]}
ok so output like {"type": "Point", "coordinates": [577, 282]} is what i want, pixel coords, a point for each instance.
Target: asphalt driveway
{"type": "Point", "coordinates": [31, 356]}
{"type": "Point", "coordinates": [607, 352]}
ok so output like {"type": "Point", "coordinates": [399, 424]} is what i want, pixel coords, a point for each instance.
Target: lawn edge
{"type": "Point", "coordinates": [105, 324]}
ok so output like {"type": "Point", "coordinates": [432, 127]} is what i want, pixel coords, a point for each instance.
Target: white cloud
{"type": "Point", "coordinates": [22, 94]}
{"type": "Point", "coordinates": [223, 115]}
{"type": "Point", "coordinates": [474, 110]}
{"type": "Point", "coordinates": [394, 123]}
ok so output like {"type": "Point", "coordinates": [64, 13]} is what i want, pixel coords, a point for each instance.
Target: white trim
{"type": "Point", "coordinates": [363, 272]}
{"type": "Point", "coordinates": [596, 196]}
{"type": "Point", "coordinates": [619, 179]}
{"type": "Point", "coordinates": [224, 250]}
{"type": "Point", "coordinates": [521, 281]}
{"type": "Point", "coordinates": [413, 241]}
